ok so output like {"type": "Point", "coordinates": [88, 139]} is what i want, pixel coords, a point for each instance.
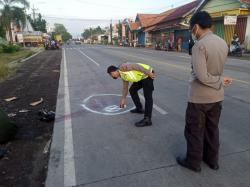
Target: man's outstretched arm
{"type": "Point", "coordinates": [124, 94]}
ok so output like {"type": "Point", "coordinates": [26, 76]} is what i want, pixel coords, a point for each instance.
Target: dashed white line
{"type": "Point", "coordinates": [89, 58]}
{"type": "Point", "coordinates": [150, 52]}
{"type": "Point", "coordinates": [69, 161]}
{"type": "Point", "coordinates": [157, 108]}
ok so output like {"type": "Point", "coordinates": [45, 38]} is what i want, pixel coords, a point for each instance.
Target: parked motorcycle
{"type": "Point", "coordinates": [235, 49]}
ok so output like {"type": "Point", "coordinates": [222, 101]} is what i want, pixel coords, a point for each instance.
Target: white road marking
{"type": "Point", "coordinates": [188, 57]}
{"type": "Point", "coordinates": [150, 52]}
{"type": "Point", "coordinates": [69, 162]}
{"type": "Point", "coordinates": [89, 58]}
{"type": "Point", "coordinates": [157, 108]}
{"type": "Point", "coordinates": [241, 81]}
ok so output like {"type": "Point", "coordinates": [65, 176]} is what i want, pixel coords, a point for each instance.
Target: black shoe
{"type": "Point", "coordinates": [183, 162]}
{"type": "Point", "coordinates": [212, 166]}
{"type": "Point", "coordinates": [144, 122]}
{"type": "Point", "coordinates": [137, 111]}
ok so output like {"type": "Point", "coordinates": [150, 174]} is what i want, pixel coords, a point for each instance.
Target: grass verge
{"type": "Point", "coordinates": [6, 58]}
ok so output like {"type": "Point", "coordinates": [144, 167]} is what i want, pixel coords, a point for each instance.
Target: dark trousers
{"type": "Point", "coordinates": [148, 87]}
{"type": "Point", "coordinates": [202, 132]}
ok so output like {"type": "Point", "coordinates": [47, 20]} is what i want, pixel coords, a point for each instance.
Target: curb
{"type": "Point", "coordinates": [25, 59]}
{"type": "Point", "coordinates": [38, 52]}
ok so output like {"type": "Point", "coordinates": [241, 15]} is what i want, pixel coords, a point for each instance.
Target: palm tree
{"type": "Point", "coordinates": [13, 13]}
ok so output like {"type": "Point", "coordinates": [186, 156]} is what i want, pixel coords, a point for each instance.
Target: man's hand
{"type": "Point", "coordinates": [152, 75]}
{"type": "Point", "coordinates": [122, 103]}
{"type": "Point", "coordinates": [227, 81]}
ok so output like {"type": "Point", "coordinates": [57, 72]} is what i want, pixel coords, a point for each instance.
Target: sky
{"type": "Point", "coordinates": [78, 15]}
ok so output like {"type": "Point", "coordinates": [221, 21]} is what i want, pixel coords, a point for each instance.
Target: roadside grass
{"type": "Point", "coordinates": [6, 58]}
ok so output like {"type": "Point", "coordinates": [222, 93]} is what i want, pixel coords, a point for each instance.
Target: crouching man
{"type": "Point", "coordinates": [141, 76]}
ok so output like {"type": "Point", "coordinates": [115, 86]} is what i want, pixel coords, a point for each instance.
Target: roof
{"type": "Point", "coordinates": [182, 11]}
{"type": "Point", "coordinates": [246, 2]}
{"type": "Point", "coordinates": [158, 19]}
{"type": "Point", "coordinates": [134, 26]}
{"type": "Point", "coordinates": [146, 19]}
{"type": "Point", "coordinates": [174, 15]}
{"type": "Point", "coordinates": [203, 3]}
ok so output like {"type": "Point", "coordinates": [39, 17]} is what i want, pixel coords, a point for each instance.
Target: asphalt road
{"type": "Point", "coordinates": [96, 144]}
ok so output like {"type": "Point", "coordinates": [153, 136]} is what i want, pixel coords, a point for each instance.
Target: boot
{"type": "Point", "coordinates": [144, 122]}
{"type": "Point", "coordinates": [183, 162]}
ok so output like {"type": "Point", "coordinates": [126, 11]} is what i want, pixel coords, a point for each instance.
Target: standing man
{"type": "Point", "coordinates": [206, 93]}
{"type": "Point", "coordinates": [142, 76]}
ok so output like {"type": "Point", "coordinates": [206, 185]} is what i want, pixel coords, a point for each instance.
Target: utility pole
{"type": "Point", "coordinates": [111, 32]}
{"type": "Point", "coordinates": [34, 12]}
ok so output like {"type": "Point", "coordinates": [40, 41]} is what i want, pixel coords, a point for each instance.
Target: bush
{"type": "Point", "coordinates": [10, 48]}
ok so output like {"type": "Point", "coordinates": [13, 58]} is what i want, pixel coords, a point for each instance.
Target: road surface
{"type": "Point", "coordinates": [95, 144]}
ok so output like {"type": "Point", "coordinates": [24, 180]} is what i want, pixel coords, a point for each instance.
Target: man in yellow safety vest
{"type": "Point", "coordinates": [141, 76]}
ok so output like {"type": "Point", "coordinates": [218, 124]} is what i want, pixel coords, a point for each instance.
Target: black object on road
{"type": "Point", "coordinates": [8, 129]}
{"type": "Point", "coordinates": [3, 152]}
{"type": "Point", "coordinates": [46, 116]}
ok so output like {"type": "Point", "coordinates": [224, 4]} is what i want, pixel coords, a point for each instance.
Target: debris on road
{"type": "Point", "coordinates": [36, 102]}
{"type": "Point", "coordinates": [46, 148]}
{"type": "Point", "coordinates": [3, 152]}
{"type": "Point", "coordinates": [23, 111]}
{"type": "Point", "coordinates": [11, 115]}
{"type": "Point", "coordinates": [46, 116]}
{"type": "Point", "coordinates": [10, 99]}
{"type": "Point", "coordinates": [56, 71]}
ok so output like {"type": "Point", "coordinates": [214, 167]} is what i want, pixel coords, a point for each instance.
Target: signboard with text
{"type": "Point", "coordinates": [230, 20]}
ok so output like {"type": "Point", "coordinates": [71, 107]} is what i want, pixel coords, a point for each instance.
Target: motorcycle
{"type": "Point", "coordinates": [235, 49]}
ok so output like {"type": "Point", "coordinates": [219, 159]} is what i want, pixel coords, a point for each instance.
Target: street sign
{"type": "Point", "coordinates": [230, 20]}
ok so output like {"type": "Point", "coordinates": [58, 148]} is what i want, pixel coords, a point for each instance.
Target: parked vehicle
{"type": "Point", "coordinates": [235, 49]}
{"type": "Point", "coordinates": [51, 44]}
{"type": "Point", "coordinates": [77, 42]}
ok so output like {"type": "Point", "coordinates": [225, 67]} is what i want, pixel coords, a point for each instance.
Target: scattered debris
{"type": "Point", "coordinates": [3, 152]}
{"type": "Point", "coordinates": [37, 102]}
{"type": "Point", "coordinates": [10, 99]}
{"type": "Point", "coordinates": [47, 116]}
{"type": "Point", "coordinates": [11, 115]}
{"type": "Point", "coordinates": [56, 71]}
{"type": "Point", "coordinates": [46, 148]}
{"type": "Point", "coordinates": [23, 111]}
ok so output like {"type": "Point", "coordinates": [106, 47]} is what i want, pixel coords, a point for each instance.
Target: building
{"type": "Point", "coordinates": [163, 29]}
{"type": "Point", "coordinates": [172, 30]}
{"type": "Point", "coordinates": [137, 32]}
{"type": "Point", "coordinates": [229, 16]}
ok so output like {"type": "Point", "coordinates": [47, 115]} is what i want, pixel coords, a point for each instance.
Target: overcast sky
{"type": "Point", "coordinates": [80, 14]}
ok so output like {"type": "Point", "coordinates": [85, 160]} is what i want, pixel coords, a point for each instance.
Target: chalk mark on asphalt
{"type": "Point", "coordinates": [109, 110]}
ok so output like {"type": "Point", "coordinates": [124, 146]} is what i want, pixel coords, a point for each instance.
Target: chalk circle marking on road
{"type": "Point", "coordinates": [101, 107]}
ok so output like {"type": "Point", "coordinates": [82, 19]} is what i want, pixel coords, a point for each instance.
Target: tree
{"type": "Point", "coordinates": [12, 13]}
{"type": "Point", "coordinates": [2, 32]}
{"type": "Point", "coordinates": [60, 29]}
{"type": "Point", "coordinates": [88, 33]}
{"type": "Point", "coordinates": [38, 24]}
{"type": "Point", "coordinates": [119, 27]}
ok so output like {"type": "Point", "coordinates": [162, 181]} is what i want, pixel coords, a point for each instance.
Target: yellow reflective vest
{"type": "Point", "coordinates": [135, 76]}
